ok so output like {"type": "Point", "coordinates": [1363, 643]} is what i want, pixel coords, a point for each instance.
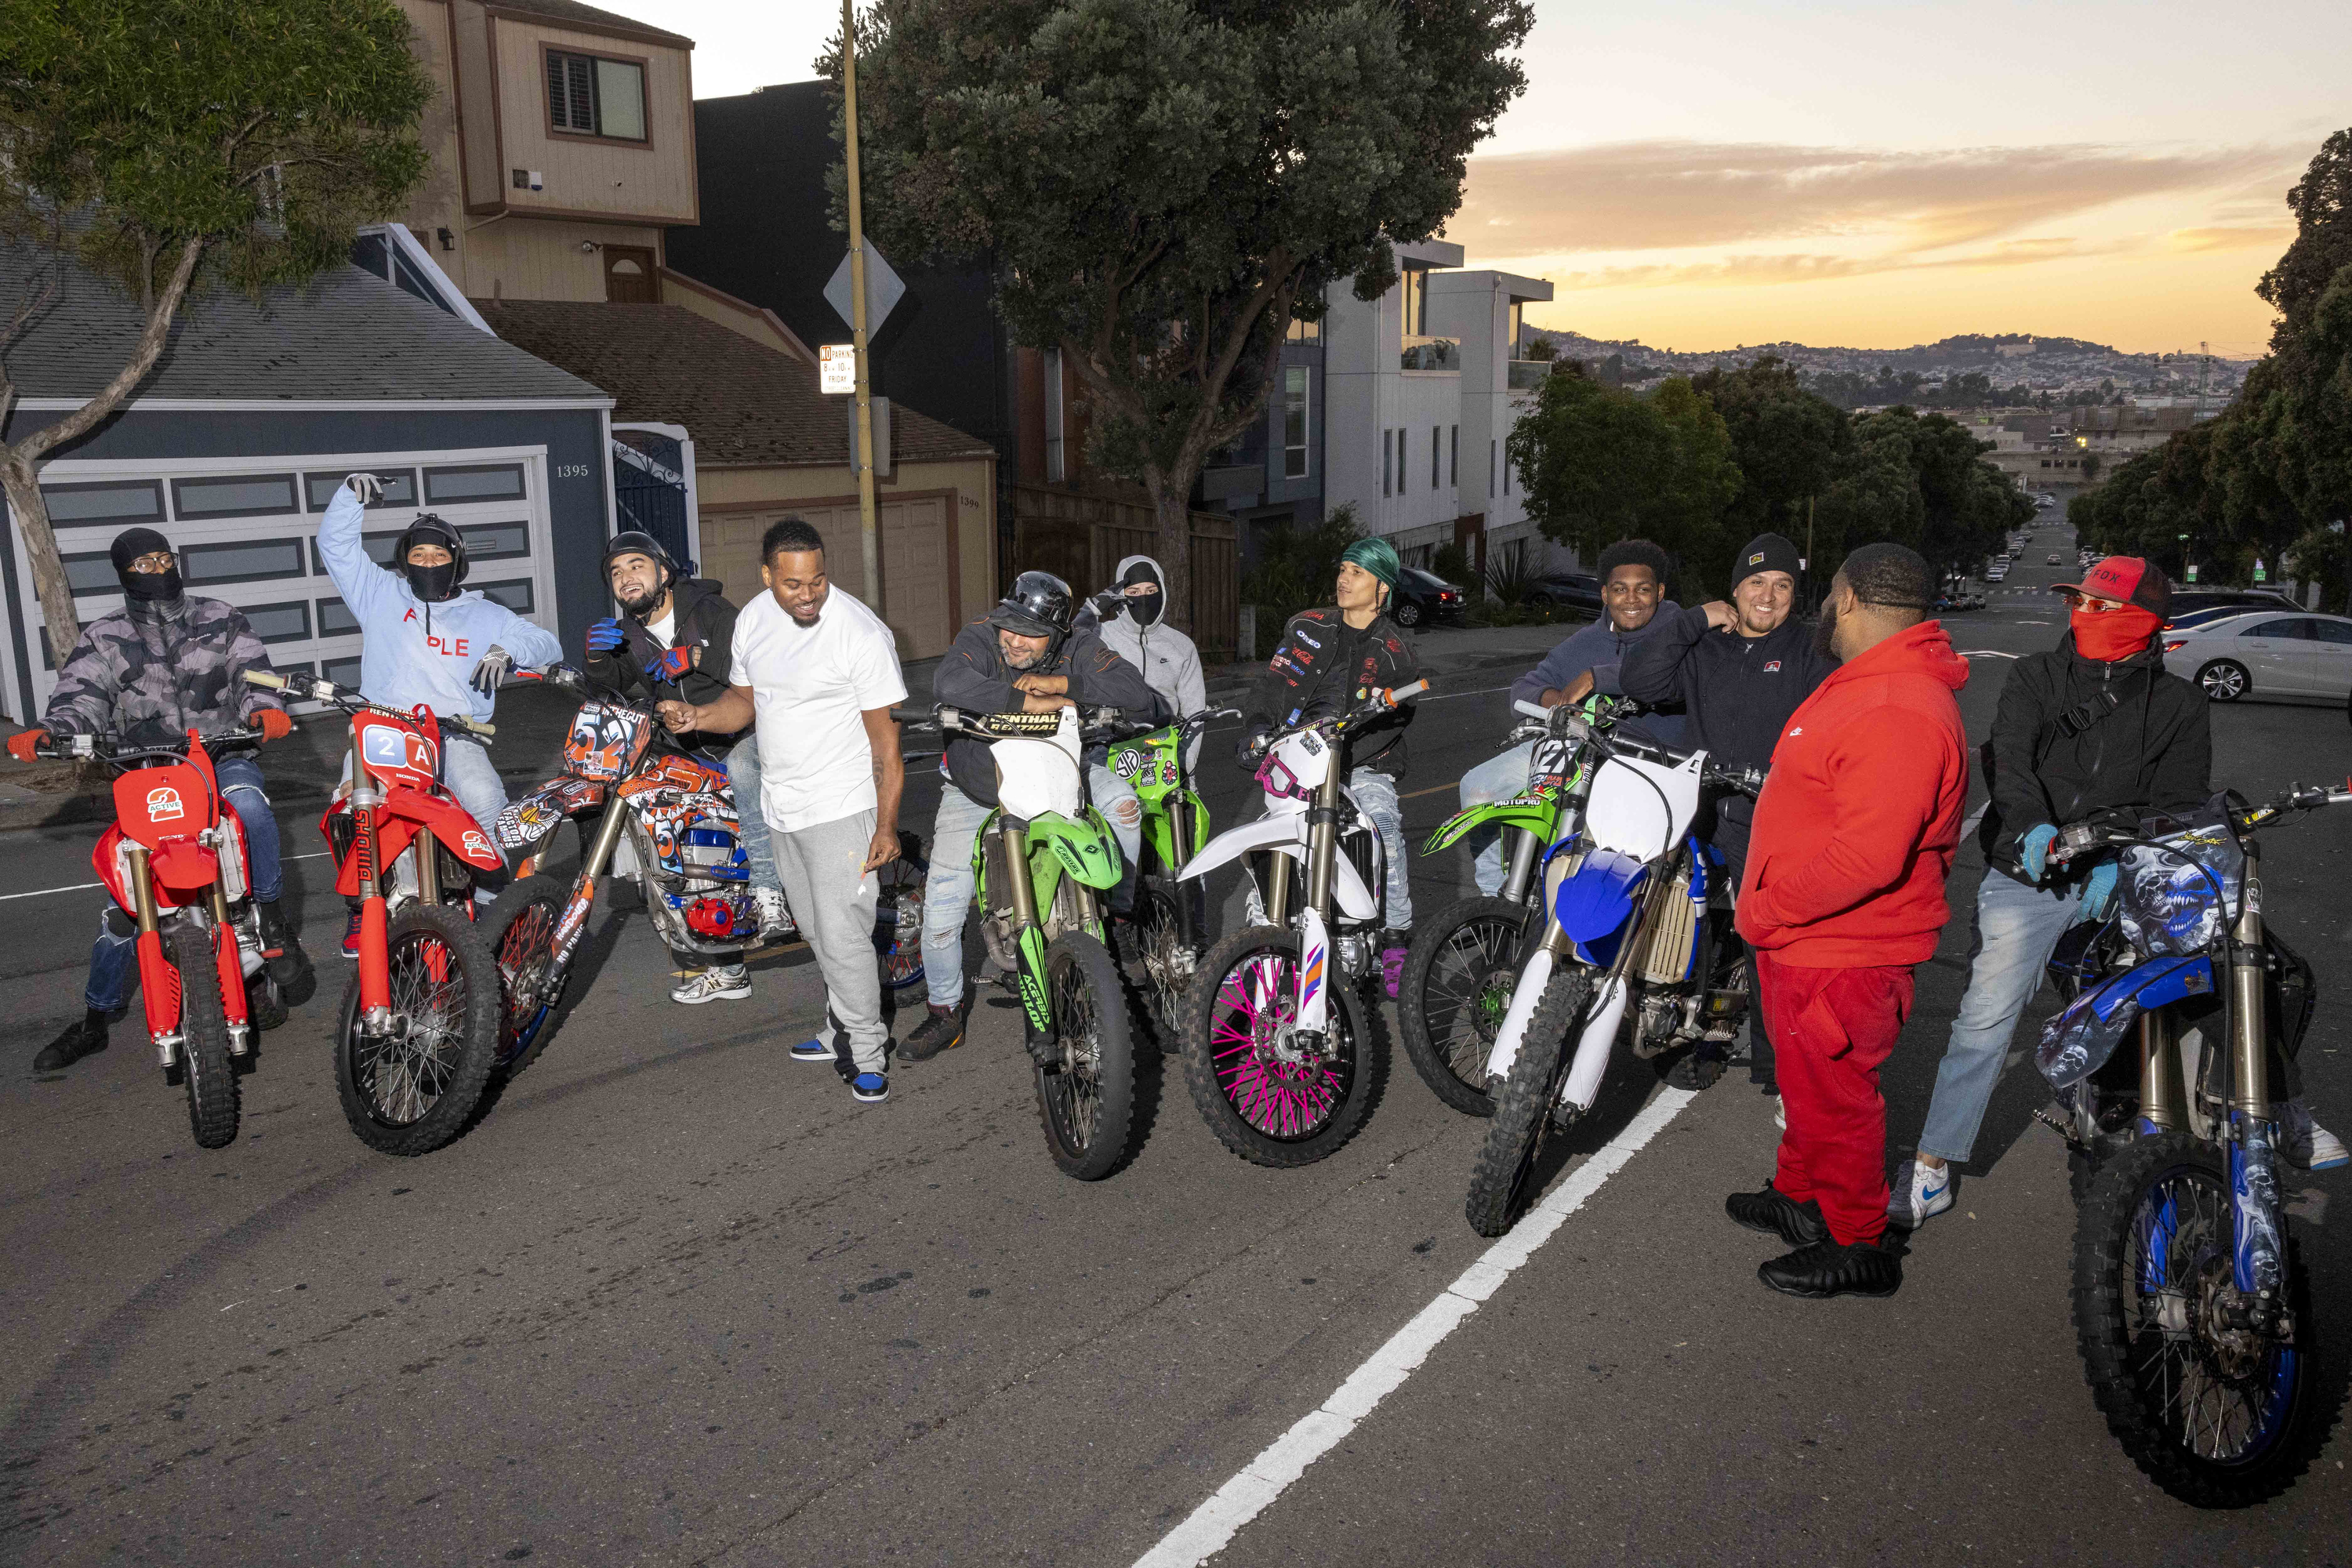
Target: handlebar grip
{"type": "Point", "coordinates": [1398, 694]}
{"type": "Point", "coordinates": [1532, 710]}
{"type": "Point", "coordinates": [265, 678]}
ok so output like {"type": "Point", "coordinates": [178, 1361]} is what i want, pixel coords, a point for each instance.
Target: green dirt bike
{"type": "Point", "coordinates": [1170, 918]}
{"type": "Point", "coordinates": [1465, 959]}
{"type": "Point", "coordinates": [1041, 866]}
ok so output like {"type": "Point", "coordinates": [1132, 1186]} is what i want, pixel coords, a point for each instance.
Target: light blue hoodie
{"type": "Point", "coordinates": [417, 652]}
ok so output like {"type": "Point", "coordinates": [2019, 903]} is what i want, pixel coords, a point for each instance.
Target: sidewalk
{"type": "Point", "coordinates": [532, 721]}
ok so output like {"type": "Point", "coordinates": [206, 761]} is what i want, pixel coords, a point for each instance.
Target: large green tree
{"type": "Point", "coordinates": [1598, 464]}
{"type": "Point", "coordinates": [167, 143]}
{"type": "Point", "coordinates": [1920, 479]}
{"type": "Point", "coordinates": [1163, 186]}
{"type": "Point", "coordinates": [1790, 444]}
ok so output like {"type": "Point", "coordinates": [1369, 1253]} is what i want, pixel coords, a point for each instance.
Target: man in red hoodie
{"type": "Point", "coordinates": [1844, 894]}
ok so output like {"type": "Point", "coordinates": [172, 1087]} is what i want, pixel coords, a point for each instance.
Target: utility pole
{"type": "Point", "coordinates": [869, 539]}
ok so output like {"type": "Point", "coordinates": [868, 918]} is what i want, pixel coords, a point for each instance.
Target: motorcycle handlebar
{"type": "Point", "coordinates": [105, 747]}
{"type": "Point", "coordinates": [312, 689]}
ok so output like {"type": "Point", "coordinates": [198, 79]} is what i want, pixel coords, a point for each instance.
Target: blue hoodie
{"type": "Point", "coordinates": [416, 652]}
{"type": "Point", "coordinates": [1600, 647]}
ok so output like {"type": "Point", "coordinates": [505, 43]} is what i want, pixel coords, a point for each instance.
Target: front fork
{"type": "Point", "coordinates": [1028, 942]}
{"type": "Point", "coordinates": [574, 922]}
{"type": "Point", "coordinates": [2255, 1245]}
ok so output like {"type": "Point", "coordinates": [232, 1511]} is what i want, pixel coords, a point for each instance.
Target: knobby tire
{"type": "Point", "coordinates": [1523, 1108]}
{"type": "Point", "coordinates": [206, 1070]}
{"type": "Point", "coordinates": [1364, 1058]}
{"type": "Point", "coordinates": [455, 1064]}
{"type": "Point", "coordinates": [1087, 1106]}
{"type": "Point", "coordinates": [521, 927]}
{"type": "Point", "coordinates": [1434, 1059]}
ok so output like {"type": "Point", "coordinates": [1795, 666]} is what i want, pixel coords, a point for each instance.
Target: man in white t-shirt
{"type": "Point", "coordinates": [818, 672]}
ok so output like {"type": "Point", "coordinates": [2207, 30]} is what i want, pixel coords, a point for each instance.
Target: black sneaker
{"type": "Point", "coordinates": [1825, 1268]}
{"type": "Point", "coordinates": [942, 1031]}
{"type": "Point", "coordinates": [1775, 1213]}
{"type": "Point", "coordinates": [82, 1038]}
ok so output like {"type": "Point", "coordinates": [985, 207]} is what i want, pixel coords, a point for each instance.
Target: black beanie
{"type": "Point", "coordinates": [133, 542]}
{"type": "Point", "coordinates": [1766, 553]}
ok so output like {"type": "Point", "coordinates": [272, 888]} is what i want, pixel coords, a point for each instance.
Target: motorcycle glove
{"type": "Point", "coordinates": [2099, 891]}
{"type": "Point", "coordinates": [275, 723]}
{"type": "Point", "coordinates": [670, 663]}
{"type": "Point", "coordinates": [606, 635]}
{"type": "Point", "coordinates": [2033, 850]}
{"type": "Point", "coordinates": [494, 667]}
{"type": "Point", "coordinates": [20, 745]}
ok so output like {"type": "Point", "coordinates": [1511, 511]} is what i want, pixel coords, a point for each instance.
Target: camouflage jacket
{"type": "Point", "coordinates": [151, 674]}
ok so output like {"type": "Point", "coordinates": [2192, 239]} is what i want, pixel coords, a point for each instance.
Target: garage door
{"type": "Point", "coordinates": [916, 562]}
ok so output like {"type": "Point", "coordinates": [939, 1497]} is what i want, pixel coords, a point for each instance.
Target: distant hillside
{"type": "Point", "coordinates": [1996, 367]}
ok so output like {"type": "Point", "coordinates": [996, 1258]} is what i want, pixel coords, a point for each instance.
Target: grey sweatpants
{"type": "Point", "coordinates": [834, 897]}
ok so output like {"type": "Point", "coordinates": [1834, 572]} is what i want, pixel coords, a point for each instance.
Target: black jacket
{"type": "Point", "coordinates": [1324, 666]}
{"type": "Point", "coordinates": [706, 625]}
{"type": "Point", "coordinates": [2074, 735]}
{"type": "Point", "coordinates": [973, 676]}
{"type": "Point", "coordinates": [1737, 691]}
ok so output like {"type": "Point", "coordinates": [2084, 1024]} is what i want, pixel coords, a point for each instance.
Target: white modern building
{"type": "Point", "coordinates": [1422, 391]}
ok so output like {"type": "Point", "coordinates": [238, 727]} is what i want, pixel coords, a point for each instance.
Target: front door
{"type": "Point", "coordinates": [629, 275]}
{"type": "Point", "coordinates": [2278, 655]}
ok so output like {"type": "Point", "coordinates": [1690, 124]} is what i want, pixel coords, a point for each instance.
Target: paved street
{"type": "Point", "coordinates": [678, 1300]}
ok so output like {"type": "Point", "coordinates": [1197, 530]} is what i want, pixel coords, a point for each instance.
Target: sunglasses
{"type": "Point", "coordinates": [2090, 604]}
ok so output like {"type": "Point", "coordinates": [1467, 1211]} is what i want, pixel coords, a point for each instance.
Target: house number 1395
{"type": "Point", "coordinates": [571, 470]}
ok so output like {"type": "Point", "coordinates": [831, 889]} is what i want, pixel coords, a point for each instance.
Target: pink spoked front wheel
{"type": "Point", "coordinates": [1270, 1093]}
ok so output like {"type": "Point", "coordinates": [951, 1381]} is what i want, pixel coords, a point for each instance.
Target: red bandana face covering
{"type": "Point", "coordinates": [2111, 635]}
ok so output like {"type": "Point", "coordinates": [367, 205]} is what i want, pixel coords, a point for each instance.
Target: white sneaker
{"type": "Point", "coordinates": [2309, 1146]}
{"type": "Point", "coordinates": [712, 985]}
{"type": "Point", "coordinates": [775, 915]}
{"type": "Point", "coordinates": [1926, 1193]}
{"type": "Point", "coordinates": [1779, 1114]}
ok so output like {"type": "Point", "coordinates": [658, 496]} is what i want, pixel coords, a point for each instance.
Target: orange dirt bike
{"type": "Point", "coordinates": [629, 784]}
{"type": "Point", "coordinates": [416, 1037]}
{"type": "Point", "coordinates": [175, 861]}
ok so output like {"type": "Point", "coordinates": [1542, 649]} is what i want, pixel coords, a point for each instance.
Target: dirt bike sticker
{"type": "Point", "coordinates": [164, 804]}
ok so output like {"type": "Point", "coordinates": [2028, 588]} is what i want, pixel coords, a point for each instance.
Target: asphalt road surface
{"type": "Point", "coordinates": [679, 1299]}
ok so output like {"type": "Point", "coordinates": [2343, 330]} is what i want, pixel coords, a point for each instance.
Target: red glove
{"type": "Point", "coordinates": [276, 724]}
{"type": "Point", "coordinates": [21, 746]}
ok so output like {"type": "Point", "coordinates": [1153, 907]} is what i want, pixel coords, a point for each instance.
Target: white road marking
{"type": "Point", "coordinates": [1213, 1524]}
{"type": "Point", "coordinates": [85, 887]}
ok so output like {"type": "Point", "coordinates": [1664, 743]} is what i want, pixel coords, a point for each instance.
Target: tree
{"type": "Point", "coordinates": [1787, 442]}
{"type": "Point", "coordinates": [2322, 205]}
{"type": "Point", "coordinates": [1541, 348]}
{"type": "Point", "coordinates": [1162, 185]}
{"type": "Point", "coordinates": [173, 144]}
{"type": "Point", "coordinates": [1920, 480]}
{"type": "Point", "coordinates": [1598, 464]}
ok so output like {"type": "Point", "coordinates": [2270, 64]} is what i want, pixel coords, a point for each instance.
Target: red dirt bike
{"type": "Point", "coordinates": [418, 1035]}
{"type": "Point", "coordinates": [627, 783]}
{"type": "Point", "coordinates": [175, 861]}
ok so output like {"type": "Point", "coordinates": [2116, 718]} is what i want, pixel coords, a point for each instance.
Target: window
{"type": "Point", "coordinates": [1513, 328]}
{"type": "Point", "coordinates": [2288, 627]}
{"type": "Point", "coordinates": [2332, 631]}
{"type": "Point", "coordinates": [1294, 423]}
{"type": "Point", "coordinates": [399, 489]}
{"type": "Point", "coordinates": [496, 541]}
{"type": "Point", "coordinates": [1304, 332]}
{"type": "Point", "coordinates": [1403, 481]}
{"type": "Point", "coordinates": [1384, 463]}
{"type": "Point", "coordinates": [1507, 476]}
{"type": "Point", "coordinates": [599, 97]}
{"type": "Point", "coordinates": [242, 560]}
{"type": "Point", "coordinates": [342, 671]}
{"type": "Point", "coordinates": [139, 501]}
{"type": "Point", "coordinates": [335, 620]}
{"type": "Point", "coordinates": [515, 596]}
{"type": "Point", "coordinates": [1057, 422]}
{"type": "Point", "coordinates": [1491, 447]}
{"type": "Point", "coordinates": [244, 495]}
{"type": "Point", "coordinates": [91, 572]}
{"type": "Point", "coordinates": [1416, 302]}
{"type": "Point", "coordinates": [288, 622]}
{"type": "Point", "coordinates": [1454, 454]}
{"type": "Point", "coordinates": [1436, 453]}
{"type": "Point", "coordinates": [487, 481]}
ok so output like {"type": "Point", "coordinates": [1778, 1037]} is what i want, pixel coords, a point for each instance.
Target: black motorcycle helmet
{"type": "Point", "coordinates": [430, 584]}
{"type": "Point", "coordinates": [1040, 606]}
{"type": "Point", "coordinates": [634, 543]}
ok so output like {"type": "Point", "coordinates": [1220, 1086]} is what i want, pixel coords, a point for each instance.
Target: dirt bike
{"type": "Point", "coordinates": [1463, 959]}
{"type": "Point", "coordinates": [2192, 1305]}
{"type": "Point", "coordinates": [174, 861]}
{"type": "Point", "coordinates": [1172, 925]}
{"type": "Point", "coordinates": [1279, 1042]}
{"type": "Point", "coordinates": [1041, 864]}
{"type": "Point", "coordinates": [418, 1035]}
{"type": "Point", "coordinates": [1630, 925]}
{"type": "Point", "coordinates": [646, 807]}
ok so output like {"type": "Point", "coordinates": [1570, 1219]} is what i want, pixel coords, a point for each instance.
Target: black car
{"type": "Point", "coordinates": [1422, 597]}
{"type": "Point", "coordinates": [1575, 590]}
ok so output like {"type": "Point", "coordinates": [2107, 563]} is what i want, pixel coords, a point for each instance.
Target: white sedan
{"type": "Point", "coordinates": [2290, 658]}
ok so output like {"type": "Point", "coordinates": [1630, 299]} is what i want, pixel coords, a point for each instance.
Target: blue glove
{"type": "Point", "coordinates": [606, 635]}
{"type": "Point", "coordinates": [2099, 891]}
{"type": "Point", "coordinates": [670, 663]}
{"type": "Point", "coordinates": [2034, 851]}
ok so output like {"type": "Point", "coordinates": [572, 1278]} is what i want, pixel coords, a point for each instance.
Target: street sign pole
{"type": "Point", "coordinates": [868, 538]}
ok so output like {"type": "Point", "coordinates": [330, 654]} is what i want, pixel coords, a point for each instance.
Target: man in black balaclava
{"type": "Point", "coordinates": [1143, 636]}
{"type": "Point", "coordinates": [150, 672]}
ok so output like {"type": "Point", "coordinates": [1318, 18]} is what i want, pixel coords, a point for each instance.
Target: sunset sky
{"type": "Point", "coordinates": [1874, 174]}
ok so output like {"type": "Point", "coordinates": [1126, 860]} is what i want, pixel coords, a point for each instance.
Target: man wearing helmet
{"type": "Point", "coordinates": [1025, 655]}
{"type": "Point", "coordinates": [1327, 661]}
{"type": "Point", "coordinates": [428, 643]}
{"type": "Point", "coordinates": [673, 641]}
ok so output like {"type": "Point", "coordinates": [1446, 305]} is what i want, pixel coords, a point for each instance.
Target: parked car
{"type": "Point", "coordinates": [1573, 590]}
{"type": "Point", "coordinates": [2185, 600]}
{"type": "Point", "coordinates": [1424, 596]}
{"type": "Point", "coordinates": [2300, 657]}
{"type": "Point", "coordinates": [2054, 560]}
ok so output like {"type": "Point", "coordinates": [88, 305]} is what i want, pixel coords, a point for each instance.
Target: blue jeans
{"type": "Point", "coordinates": [113, 960]}
{"type": "Point", "coordinates": [2017, 929]}
{"type": "Point", "coordinates": [1376, 794]}
{"type": "Point", "coordinates": [1496, 779]}
{"type": "Point", "coordinates": [750, 813]}
{"type": "Point", "coordinates": [948, 889]}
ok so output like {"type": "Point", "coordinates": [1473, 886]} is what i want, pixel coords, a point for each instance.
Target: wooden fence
{"type": "Point", "coordinates": [1080, 538]}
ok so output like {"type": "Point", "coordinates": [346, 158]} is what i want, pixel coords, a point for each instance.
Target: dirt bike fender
{"type": "Point", "coordinates": [1538, 818]}
{"type": "Point", "coordinates": [1286, 834]}
{"type": "Point", "coordinates": [1594, 902]}
{"type": "Point", "coordinates": [1085, 850]}
{"type": "Point", "coordinates": [2078, 1041]}
{"type": "Point", "coordinates": [450, 823]}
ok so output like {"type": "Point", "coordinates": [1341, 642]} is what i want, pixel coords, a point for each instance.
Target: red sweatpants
{"type": "Point", "coordinates": [1831, 1030]}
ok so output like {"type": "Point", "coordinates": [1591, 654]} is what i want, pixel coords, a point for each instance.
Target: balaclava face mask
{"type": "Point", "coordinates": [2108, 636]}
{"type": "Point", "coordinates": [430, 584]}
{"type": "Point", "coordinates": [1144, 608]}
{"type": "Point", "coordinates": [144, 587]}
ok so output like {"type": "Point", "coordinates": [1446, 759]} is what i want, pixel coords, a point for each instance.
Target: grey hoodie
{"type": "Point", "coordinates": [1170, 661]}
{"type": "Point", "coordinates": [1600, 647]}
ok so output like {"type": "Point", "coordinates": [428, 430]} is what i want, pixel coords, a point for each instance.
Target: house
{"type": "Point", "coordinates": [563, 143]}
{"type": "Point", "coordinates": [254, 413]}
{"type": "Point", "coordinates": [1423, 391]}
